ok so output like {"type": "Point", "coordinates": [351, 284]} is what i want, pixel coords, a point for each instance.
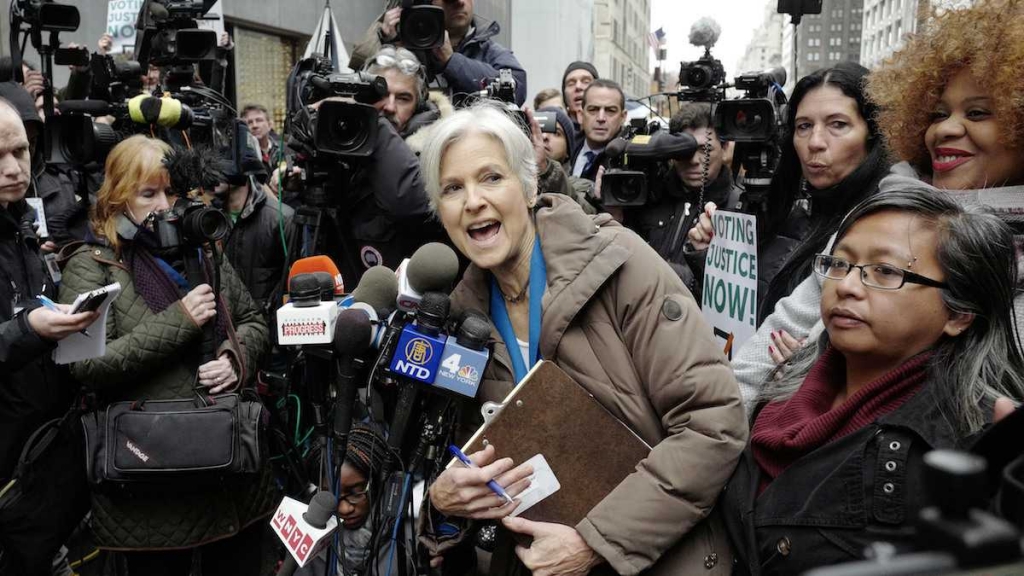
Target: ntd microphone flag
{"type": "Point", "coordinates": [418, 355]}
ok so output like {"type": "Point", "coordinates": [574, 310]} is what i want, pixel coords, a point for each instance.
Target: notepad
{"type": "Point", "coordinates": [78, 346]}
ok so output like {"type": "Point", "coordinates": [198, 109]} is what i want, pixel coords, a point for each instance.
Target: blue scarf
{"type": "Point", "coordinates": [500, 317]}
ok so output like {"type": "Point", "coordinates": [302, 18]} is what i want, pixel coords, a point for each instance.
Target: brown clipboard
{"type": "Point", "coordinates": [589, 450]}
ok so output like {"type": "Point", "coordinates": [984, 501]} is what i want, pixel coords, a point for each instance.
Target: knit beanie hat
{"type": "Point", "coordinates": [577, 65]}
{"type": "Point", "coordinates": [567, 126]}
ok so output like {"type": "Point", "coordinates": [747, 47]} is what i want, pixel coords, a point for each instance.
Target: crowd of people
{"type": "Point", "coordinates": [888, 312]}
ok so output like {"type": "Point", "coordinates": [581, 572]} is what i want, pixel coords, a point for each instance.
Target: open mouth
{"type": "Point", "coordinates": [484, 231]}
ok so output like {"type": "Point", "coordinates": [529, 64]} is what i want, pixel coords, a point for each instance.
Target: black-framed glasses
{"type": "Point", "coordinates": [355, 498]}
{"type": "Point", "coordinates": [879, 276]}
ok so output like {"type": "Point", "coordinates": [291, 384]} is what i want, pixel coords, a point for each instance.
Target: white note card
{"type": "Point", "coordinates": [543, 483]}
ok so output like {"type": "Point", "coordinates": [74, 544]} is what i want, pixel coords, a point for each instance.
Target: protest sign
{"type": "Point", "coordinates": [121, 17]}
{"type": "Point", "coordinates": [729, 298]}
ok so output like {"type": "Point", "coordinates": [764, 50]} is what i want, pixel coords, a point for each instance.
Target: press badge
{"type": "Point", "coordinates": [542, 484]}
{"type": "Point", "coordinates": [37, 205]}
{"type": "Point", "coordinates": [52, 267]}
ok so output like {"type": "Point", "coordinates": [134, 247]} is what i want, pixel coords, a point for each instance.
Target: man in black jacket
{"type": "Point", "coordinates": [694, 181]}
{"type": "Point", "coordinates": [603, 113]}
{"type": "Point", "coordinates": [32, 388]}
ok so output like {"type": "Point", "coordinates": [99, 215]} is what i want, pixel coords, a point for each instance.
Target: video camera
{"type": "Point", "coordinates": [638, 164]}
{"type": "Point", "coordinates": [168, 33]}
{"type": "Point", "coordinates": [703, 80]}
{"type": "Point", "coordinates": [422, 25]}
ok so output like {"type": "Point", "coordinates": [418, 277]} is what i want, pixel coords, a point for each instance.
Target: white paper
{"type": "Point", "coordinates": [37, 205]}
{"type": "Point", "coordinates": [729, 297]}
{"type": "Point", "coordinates": [78, 346]}
{"type": "Point", "coordinates": [543, 483]}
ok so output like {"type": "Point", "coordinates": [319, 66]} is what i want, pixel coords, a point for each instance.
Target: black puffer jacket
{"type": "Point", "coordinates": [32, 388]}
{"type": "Point", "coordinates": [254, 247]}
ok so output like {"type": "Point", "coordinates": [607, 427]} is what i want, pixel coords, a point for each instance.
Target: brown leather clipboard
{"type": "Point", "coordinates": [589, 450]}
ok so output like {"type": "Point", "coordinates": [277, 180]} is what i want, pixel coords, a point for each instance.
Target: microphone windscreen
{"type": "Point", "coordinates": [326, 282]}
{"type": "Point", "coordinates": [158, 11]}
{"type": "Point", "coordinates": [304, 290]}
{"type": "Point", "coordinates": [90, 107]}
{"type": "Point", "coordinates": [433, 268]}
{"type": "Point", "coordinates": [321, 508]}
{"type": "Point", "coordinates": [319, 263]}
{"type": "Point", "coordinates": [352, 333]}
{"type": "Point", "coordinates": [474, 332]}
{"type": "Point", "coordinates": [616, 148]}
{"type": "Point", "coordinates": [378, 287]}
{"type": "Point", "coordinates": [433, 310]}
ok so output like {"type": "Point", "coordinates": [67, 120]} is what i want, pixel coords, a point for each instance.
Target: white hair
{"type": "Point", "coordinates": [490, 120]}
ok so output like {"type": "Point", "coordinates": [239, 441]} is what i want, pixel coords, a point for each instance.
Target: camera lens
{"type": "Point", "coordinates": [349, 131]}
{"type": "Point", "coordinates": [697, 77]}
{"type": "Point", "coordinates": [748, 123]}
{"type": "Point", "coordinates": [629, 190]}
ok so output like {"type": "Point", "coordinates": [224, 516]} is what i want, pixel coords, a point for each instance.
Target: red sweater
{"type": "Point", "coordinates": [789, 429]}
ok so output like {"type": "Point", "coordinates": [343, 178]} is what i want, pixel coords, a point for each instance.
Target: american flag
{"type": "Point", "coordinates": [656, 39]}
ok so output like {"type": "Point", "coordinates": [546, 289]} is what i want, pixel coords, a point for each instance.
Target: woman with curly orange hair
{"type": "Point", "coordinates": [952, 101]}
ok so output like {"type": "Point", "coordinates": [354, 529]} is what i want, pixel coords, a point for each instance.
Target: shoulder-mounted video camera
{"type": "Point", "coordinates": [637, 161]}
{"type": "Point", "coordinates": [168, 33]}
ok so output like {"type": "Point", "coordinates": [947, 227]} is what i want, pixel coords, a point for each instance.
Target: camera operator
{"type": "Point", "coordinates": [468, 58]}
{"type": "Point", "coordinates": [154, 351]}
{"type": "Point", "coordinates": [386, 214]}
{"type": "Point", "coordinates": [33, 389]}
{"type": "Point", "coordinates": [604, 113]}
{"type": "Point", "coordinates": [665, 222]}
{"type": "Point", "coordinates": [254, 245]}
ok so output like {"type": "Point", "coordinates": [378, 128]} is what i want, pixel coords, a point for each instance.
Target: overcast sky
{"type": "Point", "coordinates": [738, 19]}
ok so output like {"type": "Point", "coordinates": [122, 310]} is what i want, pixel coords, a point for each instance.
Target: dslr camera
{"type": "Point", "coordinates": [189, 223]}
{"type": "Point", "coordinates": [422, 25]}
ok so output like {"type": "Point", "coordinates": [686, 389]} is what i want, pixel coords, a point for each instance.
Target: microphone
{"type": "Point", "coordinates": [420, 345]}
{"type": "Point", "coordinates": [378, 287]}
{"type": "Point", "coordinates": [318, 264]}
{"type": "Point", "coordinates": [310, 315]}
{"type": "Point", "coordinates": [304, 530]}
{"type": "Point", "coordinates": [351, 339]}
{"type": "Point", "coordinates": [164, 111]}
{"type": "Point", "coordinates": [432, 268]}
{"type": "Point", "coordinates": [465, 357]}
{"type": "Point", "coordinates": [90, 107]}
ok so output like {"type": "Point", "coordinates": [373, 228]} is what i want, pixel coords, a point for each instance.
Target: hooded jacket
{"type": "Point", "coordinates": [620, 322]}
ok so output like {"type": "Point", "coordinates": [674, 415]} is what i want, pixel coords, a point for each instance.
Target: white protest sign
{"type": "Point", "coordinates": [121, 17]}
{"type": "Point", "coordinates": [214, 19]}
{"type": "Point", "coordinates": [729, 298]}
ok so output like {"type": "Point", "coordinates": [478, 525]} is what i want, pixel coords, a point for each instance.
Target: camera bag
{"type": "Point", "coordinates": [198, 440]}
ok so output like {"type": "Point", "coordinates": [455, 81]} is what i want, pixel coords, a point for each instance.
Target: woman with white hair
{"type": "Point", "coordinates": [591, 296]}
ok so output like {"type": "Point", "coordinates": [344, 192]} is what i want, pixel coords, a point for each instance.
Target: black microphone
{"type": "Point", "coordinates": [90, 107]}
{"type": "Point", "coordinates": [351, 338]}
{"type": "Point", "coordinates": [304, 290]}
{"type": "Point", "coordinates": [326, 283]}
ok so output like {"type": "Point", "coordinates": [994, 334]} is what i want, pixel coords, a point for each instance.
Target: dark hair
{"type": "Point", "coordinates": [975, 250]}
{"type": "Point", "coordinates": [829, 206]}
{"type": "Point", "coordinates": [604, 83]}
{"type": "Point", "coordinates": [690, 116]}
{"type": "Point", "coordinates": [367, 451]}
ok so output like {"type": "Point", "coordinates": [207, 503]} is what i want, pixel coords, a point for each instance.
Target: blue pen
{"type": "Point", "coordinates": [469, 464]}
{"type": "Point", "coordinates": [50, 304]}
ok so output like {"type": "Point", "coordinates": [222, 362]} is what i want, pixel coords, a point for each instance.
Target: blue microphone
{"type": "Point", "coordinates": [465, 357]}
{"type": "Point", "coordinates": [421, 344]}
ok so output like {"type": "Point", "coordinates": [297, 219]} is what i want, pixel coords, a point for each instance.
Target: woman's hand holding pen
{"type": "Point", "coordinates": [463, 492]}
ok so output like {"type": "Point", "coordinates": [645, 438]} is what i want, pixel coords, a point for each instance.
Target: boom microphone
{"type": "Point", "coordinates": [90, 107]}
{"type": "Point", "coordinates": [432, 268]}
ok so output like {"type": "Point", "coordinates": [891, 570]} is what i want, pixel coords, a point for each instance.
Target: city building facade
{"type": "Point", "coordinates": [621, 50]}
{"type": "Point", "coordinates": [765, 48]}
{"type": "Point", "coordinates": [823, 40]}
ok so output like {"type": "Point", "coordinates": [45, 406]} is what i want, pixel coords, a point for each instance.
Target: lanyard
{"type": "Point", "coordinates": [173, 274]}
{"type": "Point", "coordinates": [499, 314]}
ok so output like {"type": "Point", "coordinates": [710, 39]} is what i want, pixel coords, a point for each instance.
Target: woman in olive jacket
{"type": "Point", "coordinates": [152, 352]}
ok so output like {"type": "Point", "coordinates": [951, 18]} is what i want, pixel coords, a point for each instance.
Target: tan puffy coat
{"type": "Point", "coordinates": [620, 322]}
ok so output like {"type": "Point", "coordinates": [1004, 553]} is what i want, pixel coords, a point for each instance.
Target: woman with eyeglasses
{"type": "Point", "coordinates": [919, 344]}
{"type": "Point", "coordinates": [366, 464]}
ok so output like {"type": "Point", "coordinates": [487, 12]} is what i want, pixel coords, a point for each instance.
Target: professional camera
{"type": "Point", "coordinates": [189, 223]}
{"type": "Point", "coordinates": [755, 123]}
{"type": "Point", "coordinates": [114, 80]}
{"type": "Point", "coordinates": [168, 33]}
{"type": "Point", "coordinates": [338, 128]}
{"type": "Point", "coordinates": [422, 25]}
{"type": "Point", "coordinates": [47, 15]}
{"type": "Point", "coordinates": [639, 165]}
{"type": "Point", "coordinates": [703, 80]}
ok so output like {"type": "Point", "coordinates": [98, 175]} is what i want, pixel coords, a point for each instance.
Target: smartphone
{"type": "Point", "coordinates": [90, 303]}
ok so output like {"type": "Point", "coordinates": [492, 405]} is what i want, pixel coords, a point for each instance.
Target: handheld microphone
{"type": "Point", "coordinates": [420, 345]}
{"type": "Point", "coordinates": [351, 339]}
{"type": "Point", "coordinates": [465, 357]}
{"type": "Point", "coordinates": [432, 268]}
{"type": "Point", "coordinates": [310, 315]}
{"type": "Point", "coordinates": [318, 263]}
{"type": "Point", "coordinates": [304, 530]}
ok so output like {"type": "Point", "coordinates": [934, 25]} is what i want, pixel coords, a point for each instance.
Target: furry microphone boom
{"type": "Point", "coordinates": [191, 169]}
{"type": "Point", "coordinates": [705, 32]}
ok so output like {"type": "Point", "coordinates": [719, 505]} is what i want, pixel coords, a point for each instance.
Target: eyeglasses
{"type": "Point", "coordinates": [389, 59]}
{"type": "Point", "coordinates": [878, 276]}
{"type": "Point", "coordinates": [355, 498]}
